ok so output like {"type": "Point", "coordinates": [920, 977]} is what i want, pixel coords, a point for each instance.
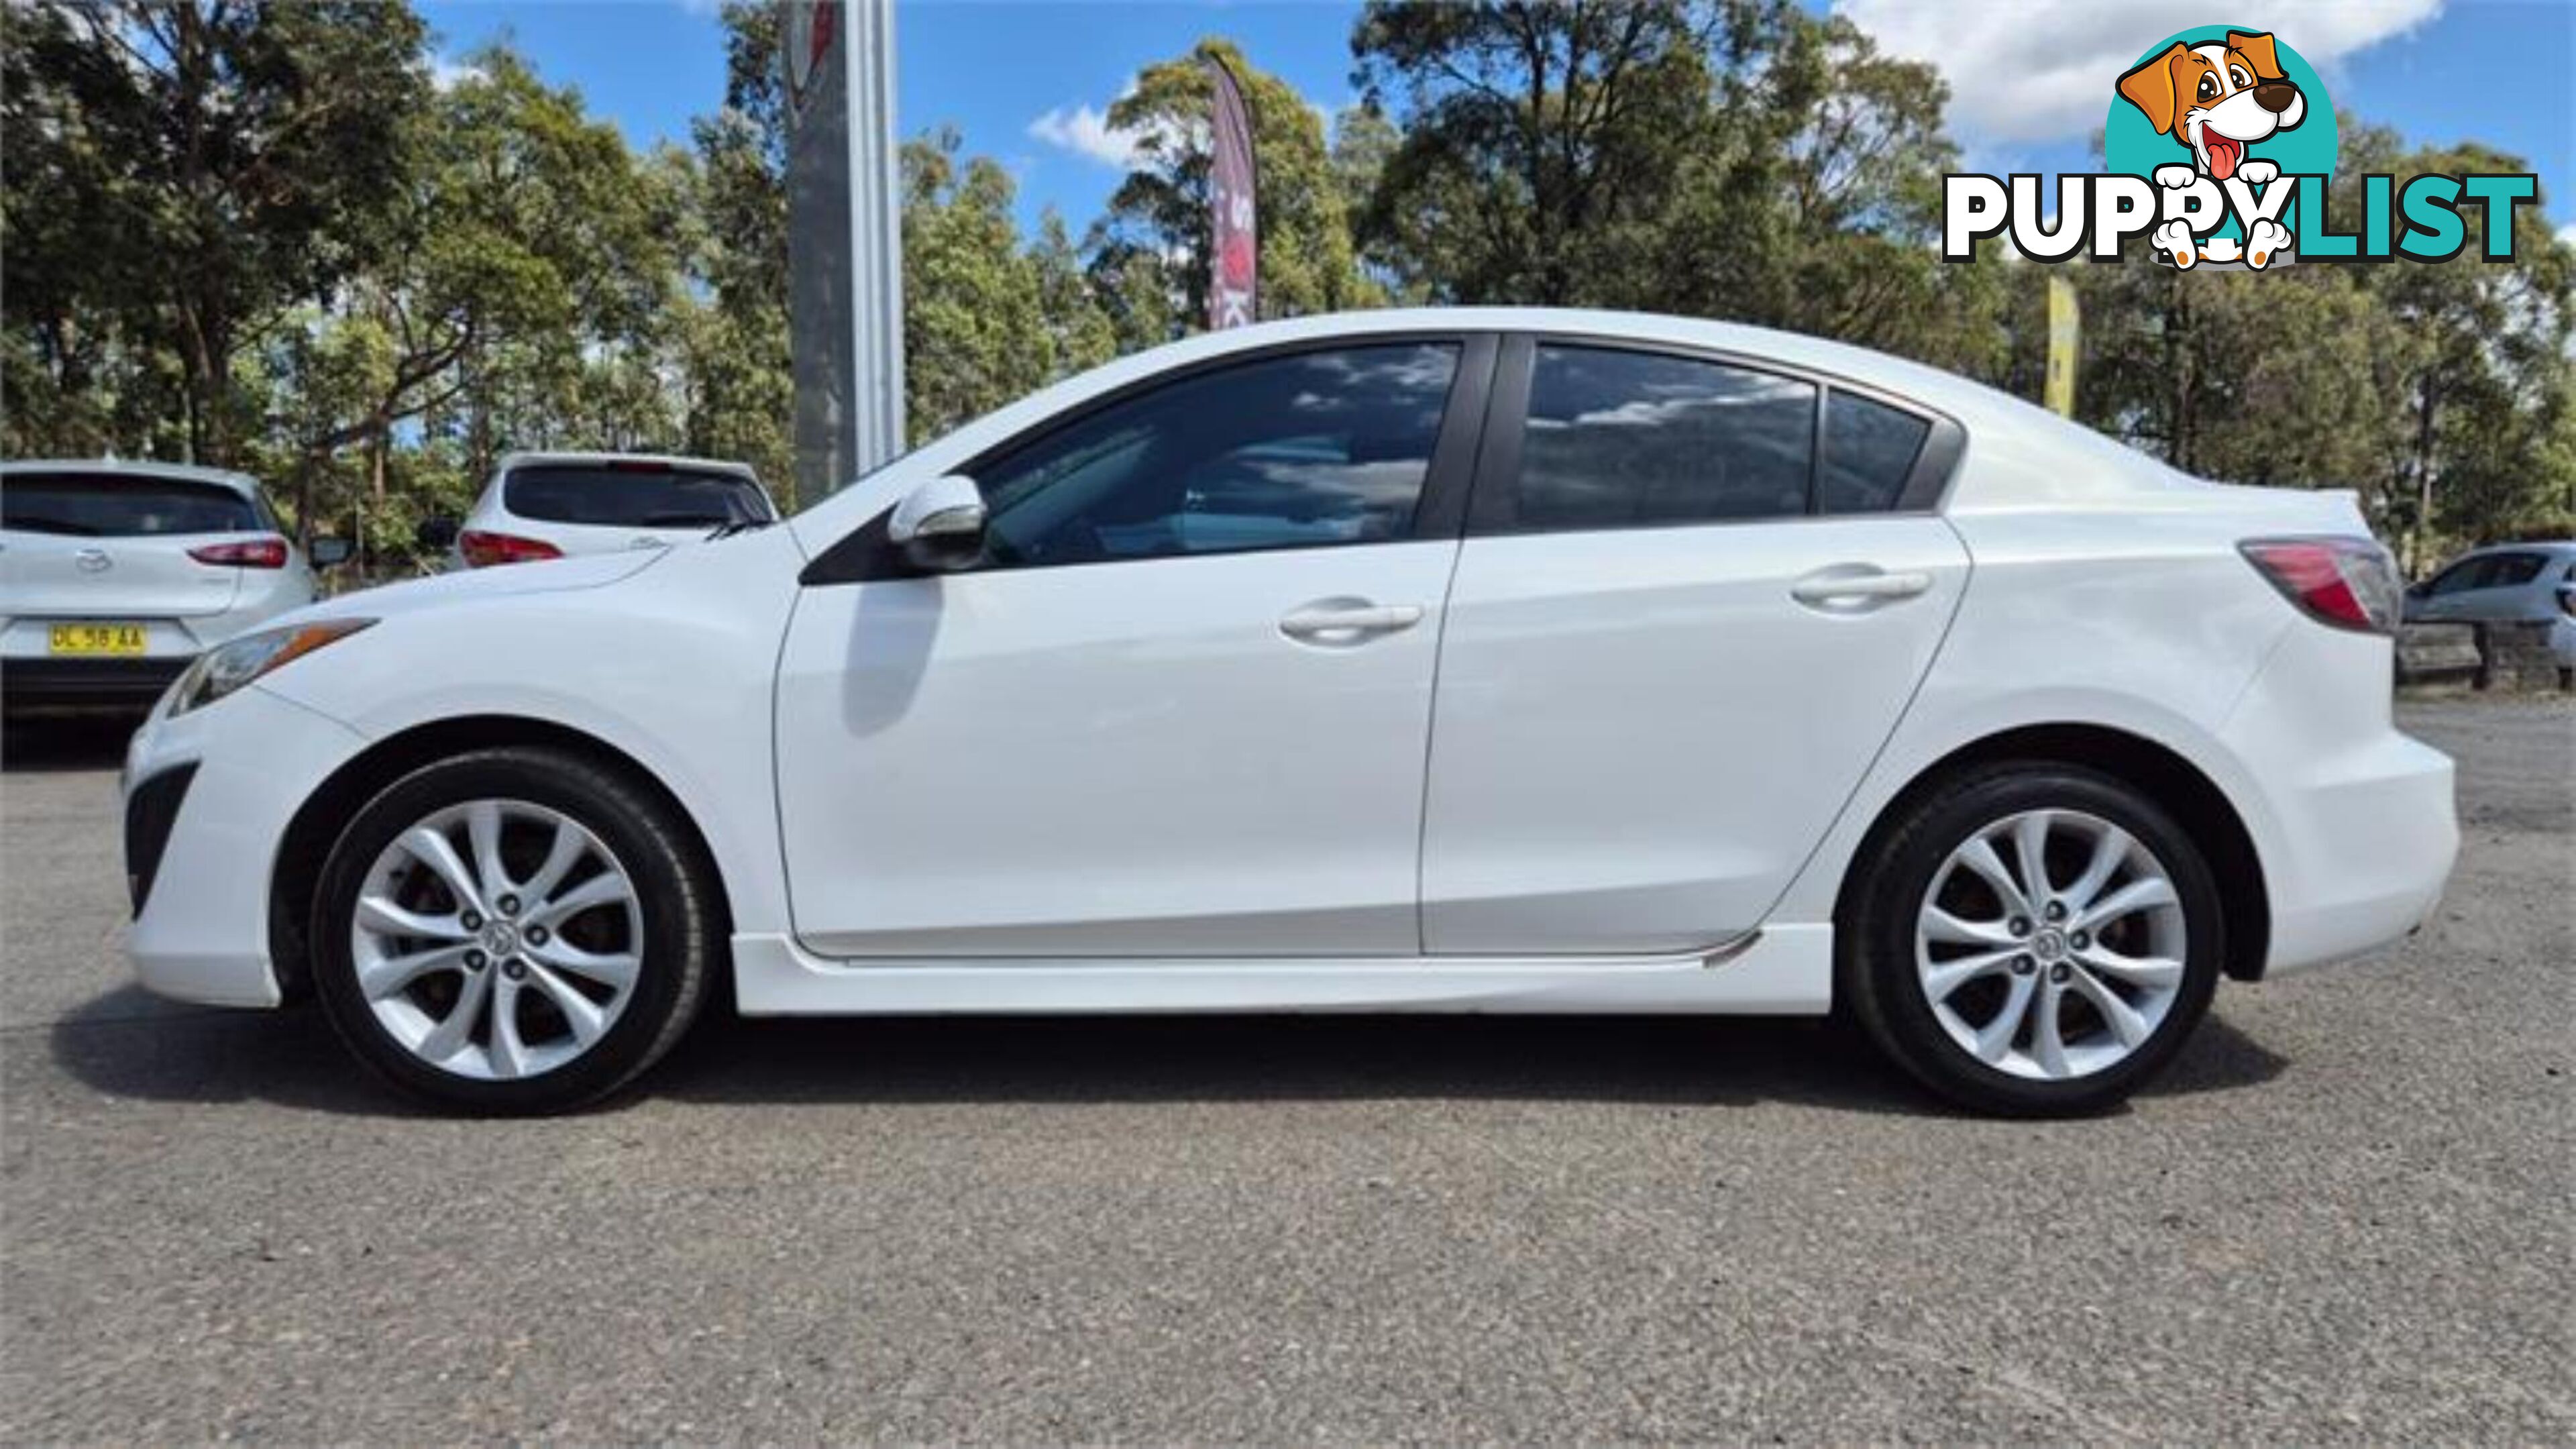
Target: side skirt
{"type": "Point", "coordinates": [1778, 971]}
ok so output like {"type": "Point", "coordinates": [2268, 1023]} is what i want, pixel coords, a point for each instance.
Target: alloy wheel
{"type": "Point", "coordinates": [2051, 944]}
{"type": "Point", "coordinates": [497, 939]}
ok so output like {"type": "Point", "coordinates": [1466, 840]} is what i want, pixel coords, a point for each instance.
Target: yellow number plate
{"type": "Point", "coordinates": [96, 639]}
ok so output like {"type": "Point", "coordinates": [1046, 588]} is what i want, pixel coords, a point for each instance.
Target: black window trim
{"type": "Point", "coordinates": [864, 556]}
{"type": "Point", "coordinates": [1493, 509]}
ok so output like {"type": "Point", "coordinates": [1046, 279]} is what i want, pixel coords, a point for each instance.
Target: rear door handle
{"type": "Point", "coordinates": [1838, 588]}
{"type": "Point", "coordinates": [1339, 622]}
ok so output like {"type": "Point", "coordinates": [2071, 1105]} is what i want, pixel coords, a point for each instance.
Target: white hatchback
{"type": "Point", "coordinates": [553, 505]}
{"type": "Point", "coordinates": [1452, 660]}
{"type": "Point", "coordinates": [114, 575]}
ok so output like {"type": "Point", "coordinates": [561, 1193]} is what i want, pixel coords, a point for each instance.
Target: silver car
{"type": "Point", "coordinates": [114, 575]}
{"type": "Point", "coordinates": [551, 505]}
{"type": "Point", "coordinates": [2506, 583]}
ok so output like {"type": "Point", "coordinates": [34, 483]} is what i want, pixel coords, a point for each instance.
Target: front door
{"type": "Point", "coordinates": [1181, 706]}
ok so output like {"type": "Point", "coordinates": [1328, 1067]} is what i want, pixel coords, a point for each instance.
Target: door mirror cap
{"type": "Point", "coordinates": [435, 533]}
{"type": "Point", "coordinates": [940, 525]}
{"type": "Point", "coordinates": [329, 553]}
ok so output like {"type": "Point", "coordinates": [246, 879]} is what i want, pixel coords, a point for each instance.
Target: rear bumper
{"type": "Point", "coordinates": [2374, 850]}
{"type": "Point", "coordinates": [2358, 828]}
{"type": "Point", "coordinates": [28, 682]}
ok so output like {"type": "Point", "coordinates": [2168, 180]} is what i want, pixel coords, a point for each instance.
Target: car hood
{"type": "Point", "coordinates": [552, 576]}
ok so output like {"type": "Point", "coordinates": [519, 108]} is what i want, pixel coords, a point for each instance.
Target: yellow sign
{"type": "Point", "coordinates": [2063, 322]}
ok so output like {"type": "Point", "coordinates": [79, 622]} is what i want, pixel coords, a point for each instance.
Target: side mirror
{"type": "Point", "coordinates": [330, 553]}
{"type": "Point", "coordinates": [435, 534]}
{"type": "Point", "coordinates": [940, 525]}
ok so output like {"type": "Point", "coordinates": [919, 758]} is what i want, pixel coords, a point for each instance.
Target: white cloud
{"type": "Point", "coordinates": [1087, 132]}
{"type": "Point", "coordinates": [445, 74]}
{"type": "Point", "coordinates": [2043, 70]}
{"type": "Point", "coordinates": [2567, 235]}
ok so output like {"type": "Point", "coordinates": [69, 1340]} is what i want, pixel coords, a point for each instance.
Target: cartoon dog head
{"type": "Point", "coordinates": [2217, 99]}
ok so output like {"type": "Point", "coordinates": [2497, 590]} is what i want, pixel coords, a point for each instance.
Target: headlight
{"type": "Point", "coordinates": [230, 665]}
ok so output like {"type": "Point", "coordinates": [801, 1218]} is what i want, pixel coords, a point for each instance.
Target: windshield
{"type": "Point", "coordinates": [633, 495]}
{"type": "Point", "coordinates": [122, 506]}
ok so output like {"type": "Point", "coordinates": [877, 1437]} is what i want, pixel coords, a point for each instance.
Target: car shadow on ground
{"type": "Point", "coordinates": [129, 1045]}
{"type": "Point", "coordinates": [85, 740]}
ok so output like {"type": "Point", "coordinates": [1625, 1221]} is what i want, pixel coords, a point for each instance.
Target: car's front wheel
{"type": "Point", "coordinates": [2032, 939]}
{"type": "Point", "coordinates": [512, 931]}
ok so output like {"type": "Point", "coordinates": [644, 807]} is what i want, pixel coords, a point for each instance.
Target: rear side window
{"type": "Point", "coordinates": [2511, 570]}
{"type": "Point", "coordinates": [1628, 439]}
{"type": "Point", "coordinates": [1869, 453]}
{"type": "Point", "coordinates": [631, 496]}
{"type": "Point", "coordinates": [123, 506]}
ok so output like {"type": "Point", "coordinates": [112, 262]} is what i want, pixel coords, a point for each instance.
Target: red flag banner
{"type": "Point", "coordinates": [1234, 245]}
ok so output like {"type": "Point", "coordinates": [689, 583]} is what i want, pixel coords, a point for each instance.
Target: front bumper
{"type": "Point", "coordinates": [201, 928]}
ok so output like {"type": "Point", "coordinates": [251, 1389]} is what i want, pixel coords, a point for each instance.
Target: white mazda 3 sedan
{"type": "Point", "coordinates": [1458, 660]}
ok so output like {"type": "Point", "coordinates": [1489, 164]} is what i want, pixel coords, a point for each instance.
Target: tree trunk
{"type": "Point", "coordinates": [2426, 398]}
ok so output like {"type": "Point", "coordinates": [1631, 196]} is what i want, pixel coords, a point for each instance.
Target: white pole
{"type": "Point", "coordinates": [876, 233]}
{"type": "Point", "coordinates": [844, 239]}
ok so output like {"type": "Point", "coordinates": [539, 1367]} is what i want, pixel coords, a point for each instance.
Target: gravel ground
{"type": "Point", "coordinates": [2345, 1215]}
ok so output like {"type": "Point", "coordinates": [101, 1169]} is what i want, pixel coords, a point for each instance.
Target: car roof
{"type": "Point", "coordinates": [139, 469]}
{"type": "Point", "coordinates": [2018, 453]}
{"type": "Point", "coordinates": [512, 461]}
{"type": "Point", "coordinates": [2537, 545]}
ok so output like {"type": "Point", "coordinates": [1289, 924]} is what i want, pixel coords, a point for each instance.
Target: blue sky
{"type": "Point", "coordinates": [1027, 83]}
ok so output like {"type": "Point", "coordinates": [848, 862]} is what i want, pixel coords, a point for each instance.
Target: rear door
{"type": "Point", "coordinates": [79, 545]}
{"type": "Point", "coordinates": [1679, 632]}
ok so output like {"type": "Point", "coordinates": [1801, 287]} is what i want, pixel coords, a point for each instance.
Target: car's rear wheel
{"type": "Point", "coordinates": [512, 930]}
{"type": "Point", "coordinates": [2033, 939]}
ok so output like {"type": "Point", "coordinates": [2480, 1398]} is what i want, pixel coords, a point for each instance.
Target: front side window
{"type": "Point", "coordinates": [1626, 439]}
{"type": "Point", "coordinates": [1308, 450]}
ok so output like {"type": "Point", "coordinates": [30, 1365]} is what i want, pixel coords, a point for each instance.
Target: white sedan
{"type": "Point", "coordinates": [1458, 660]}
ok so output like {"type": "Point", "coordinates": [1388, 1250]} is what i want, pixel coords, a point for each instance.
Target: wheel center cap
{"type": "Point", "coordinates": [2049, 945]}
{"type": "Point", "coordinates": [500, 938]}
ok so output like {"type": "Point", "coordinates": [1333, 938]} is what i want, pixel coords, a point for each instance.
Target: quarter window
{"type": "Point", "coordinates": [1302, 451]}
{"type": "Point", "coordinates": [1869, 453]}
{"type": "Point", "coordinates": [1623, 439]}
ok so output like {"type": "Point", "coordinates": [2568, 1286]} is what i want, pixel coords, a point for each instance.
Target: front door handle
{"type": "Point", "coordinates": [1347, 621]}
{"type": "Point", "coordinates": [1833, 587]}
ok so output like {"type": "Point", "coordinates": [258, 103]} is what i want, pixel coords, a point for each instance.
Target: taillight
{"type": "Point", "coordinates": [256, 553]}
{"type": "Point", "coordinates": [482, 550]}
{"type": "Point", "coordinates": [2348, 582]}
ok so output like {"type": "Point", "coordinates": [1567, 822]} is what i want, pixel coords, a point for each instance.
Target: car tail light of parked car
{"type": "Point", "coordinates": [257, 553]}
{"type": "Point", "coordinates": [482, 550]}
{"type": "Point", "coordinates": [2347, 582]}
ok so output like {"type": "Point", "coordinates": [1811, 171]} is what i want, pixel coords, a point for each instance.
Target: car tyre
{"type": "Point", "coordinates": [642, 921]}
{"type": "Point", "coordinates": [1895, 957]}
